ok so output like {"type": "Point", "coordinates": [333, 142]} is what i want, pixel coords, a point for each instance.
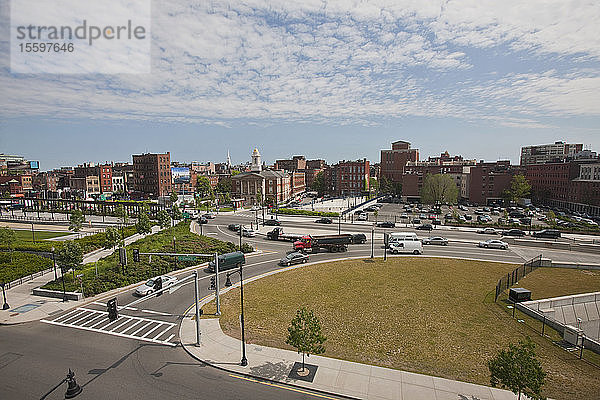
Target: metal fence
{"type": "Point", "coordinates": [513, 277]}
{"type": "Point", "coordinates": [26, 278]}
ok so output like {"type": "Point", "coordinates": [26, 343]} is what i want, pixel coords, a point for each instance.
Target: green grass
{"type": "Point", "coordinates": [555, 282]}
{"type": "Point", "coordinates": [22, 264]}
{"type": "Point", "coordinates": [432, 316]}
{"type": "Point", "coordinates": [26, 236]}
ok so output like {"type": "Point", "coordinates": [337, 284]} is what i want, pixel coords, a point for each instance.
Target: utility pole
{"type": "Point", "coordinates": [197, 307]}
{"type": "Point", "coordinates": [217, 284]}
{"type": "Point", "coordinates": [372, 241]}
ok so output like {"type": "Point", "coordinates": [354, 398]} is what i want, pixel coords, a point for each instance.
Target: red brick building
{"type": "Point", "coordinates": [16, 185]}
{"type": "Point", "coordinates": [347, 178]}
{"type": "Point", "coordinates": [103, 172]}
{"type": "Point", "coordinates": [152, 174]}
{"type": "Point", "coordinates": [393, 162]}
{"type": "Point", "coordinates": [295, 164]}
{"type": "Point", "coordinates": [488, 181]}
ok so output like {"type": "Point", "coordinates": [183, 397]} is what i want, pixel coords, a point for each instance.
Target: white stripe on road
{"type": "Point", "coordinates": [152, 330]}
{"type": "Point", "coordinates": [157, 313]}
{"type": "Point", "coordinates": [127, 320]}
{"type": "Point", "coordinates": [135, 324]}
{"type": "Point", "coordinates": [162, 333]}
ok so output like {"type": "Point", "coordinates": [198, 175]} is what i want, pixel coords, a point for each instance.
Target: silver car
{"type": "Point", "coordinates": [293, 258]}
{"type": "Point", "coordinates": [148, 287]}
{"type": "Point", "coordinates": [247, 232]}
{"type": "Point", "coordinates": [441, 241]}
{"type": "Point", "coordinates": [494, 244]}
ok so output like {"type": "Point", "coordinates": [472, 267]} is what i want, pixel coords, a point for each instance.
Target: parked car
{"type": "Point", "coordinates": [363, 217]}
{"type": "Point", "coordinates": [416, 221]}
{"type": "Point", "coordinates": [148, 287]}
{"type": "Point", "coordinates": [209, 216]}
{"type": "Point", "coordinates": [488, 231]}
{"type": "Point", "coordinates": [272, 222]}
{"type": "Point", "coordinates": [425, 227]}
{"type": "Point", "coordinates": [494, 244]}
{"type": "Point", "coordinates": [294, 258]}
{"type": "Point", "coordinates": [234, 227]}
{"type": "Point", "coordinates": [202, 220]}
{"type": "Point", "coordinates": [386, 224]}
{"type": "Point", "coordinates": [441, 241]}
{"type": "Point", "coordinates": [547, 233]}
{"type": "Point", "coordinates": [468, 217]}
{"type": "Point", "coordinates": [404, 215]}
{"type": "Point", "coordinates": [513, 232]}
{"type": "Point", "coordinates": [324, 221]}
{"type": "Point", "coordinates": [359, 238]}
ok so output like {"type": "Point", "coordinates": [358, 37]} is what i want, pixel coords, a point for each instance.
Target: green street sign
{"type": "Point", "coordinates": [186, 258]}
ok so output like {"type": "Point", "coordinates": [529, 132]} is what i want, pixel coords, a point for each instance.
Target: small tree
{"type": "Point", "coordinates": [551, 217]}
{"type": "Point", "coordinates": [259, 196]}
{"type": "Point", "coordinates": [8, 237]}
{"type": "Point", "coordinates": [176, 213]}
{"type": "Point", "coordinates": [305, 334]}
{"type": "Point", "coordinates": [518, 370]}
{"type": "Point", "coordinates": [143, 223]}
{"type": "Point", "coordinates": [70, 256]}
{"type": "Point", "coordinates": [76, 221]}
{"type": "Point", "coordinates": [203, 187]}
{"type": "Point", "coordinates": [121, 213]}
{"type": "Point", "coordinates": [112, 238]}
{"type": "Point", "coordinates": [163, 219]}
{"type": "Point", "coordinates": [173, 197]}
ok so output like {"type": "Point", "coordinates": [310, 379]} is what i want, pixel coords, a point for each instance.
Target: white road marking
{"type": "Point", "coordinates": [170, 337]}
{"type": "Point", "coordinates": [152, 330]}
{"type": "Point", "coordinates": [127, 320]}
{"type": "Point", "coordinates": [93, 319]}
{"type": "Point", "coordinates": [162, 333]}
{"type": "Point", "coordinates": [157, 312]}
{"type": "Point", "coordinates": [135, 324]}
{"type": "Point", "coordinates": [141, 329]}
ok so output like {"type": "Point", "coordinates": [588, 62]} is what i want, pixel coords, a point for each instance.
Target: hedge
{"type": "Point", "coordinates": [111, 275]}
{"type": "Point", "coordinates": [23, 264]}
{"type": "Point", "coordinates": [294, 211]}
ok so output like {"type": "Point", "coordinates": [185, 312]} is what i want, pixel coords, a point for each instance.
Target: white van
{"type": "Point", "coordinates": [406, 246]}
{"type": "Point", "coordinates": [402, 236]}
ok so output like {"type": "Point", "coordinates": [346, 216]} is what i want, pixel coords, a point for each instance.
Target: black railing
{"type": "Point", "coordinates": [513, 277]}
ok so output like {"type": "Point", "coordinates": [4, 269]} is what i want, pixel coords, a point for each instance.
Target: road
{"type": "Point", "coordinates": [139, 356]}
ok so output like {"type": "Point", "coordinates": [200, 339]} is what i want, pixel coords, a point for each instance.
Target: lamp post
{"type": "Point", "coordinates": [5, 306]}
{"type": "Point", "coordinates": [73, 389]}
{"type": "Point", "coordinates": [54, 264]}
{"type": "Point", "coordinates": [241, 228]}
{"type": "Point", "coordinates": [62, 277]}
{"type": "Point", "coordinates": [244, 361]}
{"type": "Point", "coordinates": [32, 233]}
{"type": "Point", "coordinates": [340, 223]}
{"type": "Point", "coordinates": [372, 241]}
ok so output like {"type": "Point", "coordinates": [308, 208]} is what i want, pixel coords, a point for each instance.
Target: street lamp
{"type": "Point", "coordinates": [372, 241]}
{"type": "Point", "coordinates": [5, 306]}
{"type": "Point", "coordinates": [244, 361]}
{"type": "Point", "coordinates": [62, 275]}
{"type": "Point", "coordinates": [73, 389]}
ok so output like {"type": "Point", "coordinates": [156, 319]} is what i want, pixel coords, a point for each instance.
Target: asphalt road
{"type": "Point", "coordinates": [141, 357]}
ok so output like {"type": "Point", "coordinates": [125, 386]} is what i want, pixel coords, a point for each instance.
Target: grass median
{"type": "Point", "coordinates": [428, 315]}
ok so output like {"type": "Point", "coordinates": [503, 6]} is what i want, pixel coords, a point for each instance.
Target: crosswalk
{"type": "Point", "coordinates": [127, 326]}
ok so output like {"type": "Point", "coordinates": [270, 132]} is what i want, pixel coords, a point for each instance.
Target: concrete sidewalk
{"type": "Point", "coordinates": [25, 307]}
{"type": "Point", "coordinates": [332, 376]}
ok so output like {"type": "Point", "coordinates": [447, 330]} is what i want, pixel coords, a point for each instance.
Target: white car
{"type": "Point", "coordinates": [494, 244]}
{"type": "Point", "coordinates": [247, 232]}
{"type": "Point", "coordinates": [148, 287]}
{"type": "Point", "coordinates": [255, 208]}
{"type": "Point", "coordinates": [488, 231]}
{"type": "Point", "coordinates": [363, 217]}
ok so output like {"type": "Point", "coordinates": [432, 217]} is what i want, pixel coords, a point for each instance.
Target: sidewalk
{"type": "Point", "coordinates": [332, 376]}
{"type": "Point", "coordinates": [25, 307]}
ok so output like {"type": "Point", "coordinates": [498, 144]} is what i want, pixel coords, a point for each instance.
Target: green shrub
{"type": "Point", "coordinates": [293, 211]}
{"type": "Point", "coordinates": [23, 264]}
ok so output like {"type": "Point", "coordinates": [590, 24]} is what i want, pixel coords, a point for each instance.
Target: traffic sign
{"type": "Point", "coordinates": [186, 258]}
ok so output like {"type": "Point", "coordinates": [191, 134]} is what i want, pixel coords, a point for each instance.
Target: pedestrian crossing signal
{"type": "Point", "coordinates": [212, 283]}
{"type": "Point", "coordinates": [111, 307]}
{"type": "Point", "coordinates": [136, 255]}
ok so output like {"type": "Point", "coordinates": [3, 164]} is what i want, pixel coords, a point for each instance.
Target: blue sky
{"type": "Point", "coordinates": [334, 80]}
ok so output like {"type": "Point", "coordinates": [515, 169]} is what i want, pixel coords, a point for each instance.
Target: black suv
{"type": "Point", "coordinates": [425, 227]}
{"type": "Point", "coordinates": [324, 221]}
{"type": "Point", "coordinates": [359, 238]}
{"type": "Point", "coordinates": [513, 232]}
{"type": "Point", "coordinates": [272, 222]}
{"type": "Point", "coordinates": [386, 224]}
{"type": "Point", "coordinates": [547, 233]}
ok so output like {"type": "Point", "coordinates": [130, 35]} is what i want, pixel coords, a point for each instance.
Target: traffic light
{"type": "Point", "coordinates": [122, 256]}
{"type": "Point", "coordinates": [212, 283]}
{"type": "Point", "coordinates": [136, 255]}
{"type": "Point", "coordinates": [158, 284]}
{"type": "Point", "coordinates": [111, 307]}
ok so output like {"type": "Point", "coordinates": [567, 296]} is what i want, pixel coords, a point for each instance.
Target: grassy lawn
{"type": "Point", "coordinates": [432, 316]}
{"type": "Point", "coordinates": [26, 236]}
{"type": "Point", "coordinates": [554, 282]}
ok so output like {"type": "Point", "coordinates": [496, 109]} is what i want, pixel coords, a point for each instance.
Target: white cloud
{"type": "Point", "coordinates": [337, 62]}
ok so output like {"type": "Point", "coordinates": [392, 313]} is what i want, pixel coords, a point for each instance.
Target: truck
{"type": "Point", "coordinates": [332, 243]}
{"type": "Point", "coordinates": [278, 234]}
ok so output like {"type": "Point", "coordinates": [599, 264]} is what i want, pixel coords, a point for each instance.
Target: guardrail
{"type": "Point", "coordinates": [27, 278]}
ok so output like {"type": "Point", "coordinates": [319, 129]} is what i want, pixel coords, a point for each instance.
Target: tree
{"type": "Point", "coordinates": [70, 256]}
{"type": "Point", "coordinates": [112, 238]}
{"type": "Point", "coordinates": [551, 217]}
{"type": "Point", "coordinates": [76, 221]}
{"type": "Point", "coordinates": [386, 186]}
{"type": "Point", "coordinates": [235, 172]}
{"type": "Point", "coordinates": [519, 189]}
{"type": "Point", "coordinates": [224, 185]}
{"type": "Point", "coordinates": [259, 196]}
{"type": "Point", "coordinates": [374, 184]}
{"type": "Point", "coordinates": [8, 237]}
{"type": "Point", "coordinates": [121, 213]}
{"type": "Point", "coordinates": [439, 188]}
{"type": "Point", "coordinates": [318, 184]}
{"type": "Point", "coordinates": [175, 212]}
{"type": "Point", "coordinates": [203, 187]}
{"type": "Point", "coordinates": [143, 225]}
{"type": "Point", "coordinates": [163, 219]}
{"type": "Point", "coordinates": [173, 197]}
{"type": "Point", "coordinates": [518, 370]}
{"type": "Point", "coordinates": [305, 334]}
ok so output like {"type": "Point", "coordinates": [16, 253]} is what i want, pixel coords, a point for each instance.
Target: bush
{"type": "Point", "coordinates": [23, 264]}
{"type": "Point", "coordinates": [293, 211]}
{"type": "Point", "coordinates": [111, 275]}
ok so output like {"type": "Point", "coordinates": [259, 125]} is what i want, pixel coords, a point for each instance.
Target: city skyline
{"type": "Point", "coordinates": [333, 80]}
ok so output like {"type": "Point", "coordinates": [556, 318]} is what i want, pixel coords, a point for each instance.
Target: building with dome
{"type": "Point", "coordinates": [261, 185]}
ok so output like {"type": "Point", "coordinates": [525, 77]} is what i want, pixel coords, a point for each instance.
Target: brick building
{"type": "Point", "coordinates": [488, 181]}
{"type": "Point", "coordinates": [102, 171]}
{"type": "Point", "coordinates": [46, 184]}
{"type": "Point", "coordinates": [549, 153]}
{"type": "Point", "coordinates": [16, 185]}
{"type": "Point", "coordinates": [152, 174]}
{"type": "Point", "coordinates": [347, 178]}
{"type": "Point", "coordinates": [393, 162]}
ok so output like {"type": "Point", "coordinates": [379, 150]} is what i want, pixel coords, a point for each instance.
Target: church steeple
{"type": "Point", "coordinates": [256, 163]}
